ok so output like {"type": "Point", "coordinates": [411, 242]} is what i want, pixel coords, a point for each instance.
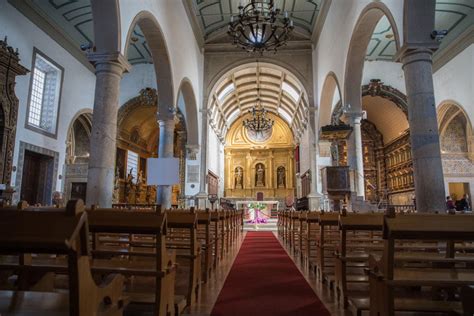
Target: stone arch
{"type": "Point", "coordinates": [161, 61]}
{"type": "Point", "coordinates": [330, 87]}
{"type": "Point", "coordinates": [191, 111]}
{"type": "Point", "coordinates": [360, 38]}
{"type": "Point", "coordinates": [448, 111]}
{"type": "Point", "coordinates": [84, 117]}
{"type": "Point", "coordinates": [106, 19]}
{"type": "Point", "coordinates": [376, 88]}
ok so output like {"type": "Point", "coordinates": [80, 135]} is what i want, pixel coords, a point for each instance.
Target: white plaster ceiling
{"type": "Point", "coordinates": [451, 15]}
{"type": "Point", "coordinates": [73, 18]}
{"type": "Point", "coordinates": [213, 16]}
{"type": "Point", "coordinates": [386, 115]}
{"type": "Point", "coordinates": [237, 92]}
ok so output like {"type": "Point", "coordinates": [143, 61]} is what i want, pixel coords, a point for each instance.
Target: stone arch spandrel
{"type": "Point", "coordinates": [161, 61]}
{"type": "Point", "coordinates": [330, 88]}
{"type": "Point", "coordinates": [191, 111]}
{"type": "Point", "coordinates": [355, 60]}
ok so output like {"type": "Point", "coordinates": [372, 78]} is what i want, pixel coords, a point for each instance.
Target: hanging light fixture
{"type": "Point", "coordinates": [259, 123]}
{"type": "Point", "coordinates": [260, 27]}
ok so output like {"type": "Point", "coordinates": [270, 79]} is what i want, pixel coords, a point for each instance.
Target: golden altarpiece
{"type": "Point", "coordinates": [260, 163]}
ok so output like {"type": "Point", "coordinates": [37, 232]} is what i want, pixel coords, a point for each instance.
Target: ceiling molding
{"type": "Point", "coordinates": [446, 54]}
{"type": "Point", "coordinates": [219, 48]}
{"type": "Point", "coordinates": [193, 20]}
{"type": "Point", "coordinates": [318, 26]}
{"type": "Point", "coordinates": [57, 34]}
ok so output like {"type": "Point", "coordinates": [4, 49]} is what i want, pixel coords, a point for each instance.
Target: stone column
{"type": "Point", "coordinates": [314, 197]}
{"type": "Point", "coordinates": [355, 154]}
{"type": "Point", "coordinates": [165, 150]}
{"type": "Point", "coordinates": [416, 57]}
{"type": "Point", "coordinates": [100, 178]}
{"type": "Point", "coordinates": [202, 195]}
{"type": "Point", "coordinates": [424, 135]}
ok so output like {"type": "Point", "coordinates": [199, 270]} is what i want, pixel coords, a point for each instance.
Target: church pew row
{"type": "Point", "coordinates": [342, 257]}
{"type": "Point", "coordinates": [26, 232]}
{"type": "Point", "coordinates": [119, 247]}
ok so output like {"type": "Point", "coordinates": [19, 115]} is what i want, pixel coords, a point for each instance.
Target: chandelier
{"type": "Point", "coordinates": [260, 27]}
{"type": "Point", "coordinates": [259, 122]}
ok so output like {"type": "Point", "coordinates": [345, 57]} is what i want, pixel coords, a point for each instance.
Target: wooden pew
{"type": "Point", "coordinates": [183, 239]}
{"type": "Point", "coordinates": [33, 232]}
{"type": "Point", "coordinates": [312, 231]}
{"type": "Point", "coordinates": [326, 242]}
{"type": "Point", "coordinates": [133, 256]}
{"type": "Point", "coordinates": [359, 236]}
{"type": "Point", "coordinates": [453, 271]}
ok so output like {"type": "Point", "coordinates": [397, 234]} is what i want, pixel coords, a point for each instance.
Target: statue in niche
{"type": "Point", "coordinates": [238, 178]}
{"type": "Point", "coordinates": [281, 177]}
{"type": "Point", "coordinates": [259, 175]}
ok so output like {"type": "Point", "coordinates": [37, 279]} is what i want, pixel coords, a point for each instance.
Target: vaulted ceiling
{"type": "Point", "coordinates": [279, 92]}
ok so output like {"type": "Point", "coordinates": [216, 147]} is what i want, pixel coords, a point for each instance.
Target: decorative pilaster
{"type": "Point", "coordinates": [202, 195]}
{"type": "Point", "coordinates": [100, 180]}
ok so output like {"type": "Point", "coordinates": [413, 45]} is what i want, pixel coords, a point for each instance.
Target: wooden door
{"type": "Point", "coordinates": [30, 178]}
{"type": "Point", "coordinates": [34, 178]}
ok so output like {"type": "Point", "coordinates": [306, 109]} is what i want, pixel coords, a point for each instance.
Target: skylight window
{"type": "Point", "coordinates": [233, 115]}
{"type": "Point", "coordinates": [228, 89]}
{"type": "Point", "coordinates": [286, 116]}
{"type": "Point", "coordinates": [291, 91]}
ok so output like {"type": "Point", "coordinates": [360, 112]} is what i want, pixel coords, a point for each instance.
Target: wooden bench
{"type": "Point", "coordinates": [359, 236]}
{"type": "Point", "coordinates": [134, 244]}
{"type": "Point", "coordinates": [183, 238]}
{"type": "Point", "coordinates": [64, 233]}
{"type": "Point", "coordinates": [386, 275]}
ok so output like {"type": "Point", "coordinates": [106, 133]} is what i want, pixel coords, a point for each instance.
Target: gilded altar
{"type": "Point", "coordinates": [259, 164]}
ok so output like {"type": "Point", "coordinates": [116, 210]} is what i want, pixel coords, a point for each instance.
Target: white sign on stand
{"type": "Point", "coordinates": [162, 171]}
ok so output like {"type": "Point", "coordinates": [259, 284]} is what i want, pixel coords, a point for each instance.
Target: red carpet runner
{"type": "Point", "coordinates": [265, 281]}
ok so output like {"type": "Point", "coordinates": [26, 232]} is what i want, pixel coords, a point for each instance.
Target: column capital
{"type": "Point", "coordinates": [166, 123]}
{"type": "Point", "coordinates": [191, 151]}
{"type": "Point", "coordinates": [115, 58]}
{"type": "Point", "coordinates": [412, 50]}
{"type": "Point", "coordinates": [354, 116]}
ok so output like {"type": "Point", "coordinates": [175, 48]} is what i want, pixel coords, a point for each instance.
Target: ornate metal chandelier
{"type": "Point", "coordinates": [259, 122]}
{"type": "Point", "coordinates": [260, 27]}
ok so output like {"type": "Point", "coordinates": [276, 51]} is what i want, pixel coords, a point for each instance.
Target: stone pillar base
{"type": "Point", "coordinates": [315, 201]}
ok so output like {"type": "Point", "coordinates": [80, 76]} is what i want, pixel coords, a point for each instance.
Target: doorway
{"type": "Point", "coordinates": [35, 176]}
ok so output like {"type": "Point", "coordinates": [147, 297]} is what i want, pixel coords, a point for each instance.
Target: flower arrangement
{"type": "Point", "coordinates": [257, 208]}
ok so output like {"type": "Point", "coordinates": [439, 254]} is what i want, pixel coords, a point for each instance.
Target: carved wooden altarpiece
{"type": "Point", "coordinates": [9, 68]}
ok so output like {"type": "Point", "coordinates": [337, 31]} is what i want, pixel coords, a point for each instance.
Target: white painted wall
{"type": "Point", "coordinates": [215, 158]}
{"type": "Point", "coordinates": [140, 76]}
{"type": "Point", "coordinates": [455, 81]}
{"type": "Point", "coordinates": [77, 89]}
{"type": "Point", "coordinates": [390, 73]}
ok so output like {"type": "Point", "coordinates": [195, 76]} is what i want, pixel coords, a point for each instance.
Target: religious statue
{"type": "Point", "coordinates": [238, 178]}
{"type": "Point", "coordinates": [116, 192]}
{"type": "Point", "coordinates": [129, 185]}
{"type": "Point", "coordinates": [259, 175]}
{"type": "Point", "coordinates": [281, 177]}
